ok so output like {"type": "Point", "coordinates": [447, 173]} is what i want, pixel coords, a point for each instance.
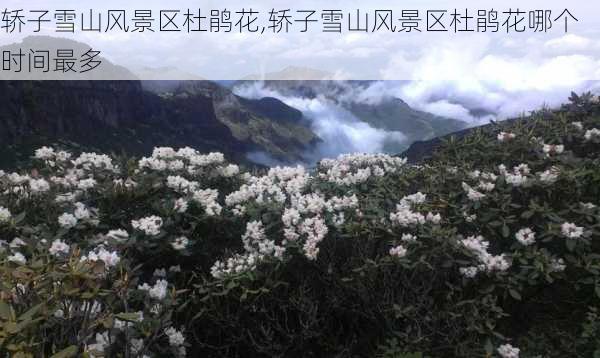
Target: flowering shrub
{"type": "Point", "coordinates": [490, 248]}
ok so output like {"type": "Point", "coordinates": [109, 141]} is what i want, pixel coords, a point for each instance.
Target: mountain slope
{"type": "Point", "coordinates": [120, 116]}
{"type": "Point", "coordinates": [420, 151]}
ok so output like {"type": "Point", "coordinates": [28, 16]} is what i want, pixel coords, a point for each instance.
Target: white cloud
{"type": "Point", "coordinates": [340, 131]}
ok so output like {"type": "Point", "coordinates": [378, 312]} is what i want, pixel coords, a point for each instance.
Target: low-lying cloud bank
{"type": "Point", "coordinates": [340, 131]}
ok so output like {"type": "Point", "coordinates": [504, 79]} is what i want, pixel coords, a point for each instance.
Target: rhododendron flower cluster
{"type": "Point", "coordinates": [181, 209]}
{"type": "Point", "coordinates": [110, 258]}
{"type": "Point", "coordinates": [158, 291]}
{"type": "Point", "coordinates": [508, 351]}
{"type": "Point", "coordinates": [351, 169]}
{"type": "Point", "coordinates": [571, 231]}
{"type": "Point", "coordinates": [150, 225]}
{"type": "Point", "coordinates": [518, 176]}
{"type": "Point", "coordinates": [505, 136]}
{"type": "Point", "coordinates": [525, 236]}
{"type": "Point", "coordinates": [592, 135]}
{"type": "Point", "coordinates": [479, 247]}
{"type": "Point", "coordinates": [553, 149]}
{"type": "Point", "coordinates": [185, 159]}
{"type": "Point", "coordinates": [59, 247]}
{"type": "Point", "coordinates": [406, 217]}
{"type": "Point", "coordinates": [5, 215]}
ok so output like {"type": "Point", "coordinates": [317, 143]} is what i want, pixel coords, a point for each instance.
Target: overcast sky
{"type": "Point", "coordinates": [449, 74]}
{"type": "Point", "coordinates": [514, 60]}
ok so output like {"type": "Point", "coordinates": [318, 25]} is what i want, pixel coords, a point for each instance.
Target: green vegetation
{"type": "Point", "coordinates": [490, 245]}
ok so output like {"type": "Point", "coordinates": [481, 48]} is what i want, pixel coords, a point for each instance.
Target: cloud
{"type": "Point", "coordinates": [569, 42]}
{"type": "Point", "coordinates": [479, 80]}
{"type": "Point", "coordinates": [376, 56]}
{"type": "Point", "coordinates": [340, 131]}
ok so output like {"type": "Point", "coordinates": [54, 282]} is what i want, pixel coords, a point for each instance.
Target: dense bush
{"type": "Point", "coordinates": [490, 245]}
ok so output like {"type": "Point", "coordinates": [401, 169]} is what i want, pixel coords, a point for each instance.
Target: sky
{"type": "Point", "coordinates": [454, 75]}
{"type": "Point", "coordinates": [517, 61]}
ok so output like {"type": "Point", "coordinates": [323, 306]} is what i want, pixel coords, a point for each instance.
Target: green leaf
{"type": "Point", "coordinates": [20, 217]}
{"type": "Point", "coordinates": [570, 244]}
{"type": "Point", "coordinates": [66, 353]}
{"type": "Point", "coordinates": [515, 294]}
{"type": "Point", "coordinates": [5, 311]}
{"type": "Point", "coordinates": [32, 312]}
{"type": "Point", "coordinates": [527, 214]}
{"type": "Point", "coordinates": [129, 317]}
{"type": "Point", "coordinates": [505, 231]}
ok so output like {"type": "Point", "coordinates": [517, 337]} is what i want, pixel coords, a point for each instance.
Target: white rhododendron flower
{"type": "Point", "coordinates": [518, 176]}
{"type": "Point", "coordinates": [505, 136]}
{"type": "Point", "coordinates": [398, 251]}
{"type": "Point", "coordinates": [592, 135]}
{"type": "Point", "coordinates": [180, 243]}
{"type": "Point", "coordinates": [18, 258]}
{"type": "Point", "coordinates": [549, 176]}
{"type": "Point", "coordinates": [479, 247]}
{"type": "Point", "coordinates": [472, 194]}
{"type": "Point", "coordinates": [5, 215]}
{"type": "Point", "coordinates": [120, 324]}
{"type": "Point", "coordinates": [577, 125]}
{"type": "Point", "coordinates": [486, 186]}
{"type": "Point", "coordinates": [18, 179]}
{"type": "Point", "coordinates": [86, 184]}
{"type": "Point", "coordinates": [181, 205]}
{"type": "Point", "coordinates": [110, 258]}
{"type": "Point", "coordinates": [58, 248]}
{"type": "Point", "coordinates": [176, 338]}
{"type": "Point", "coordinates": [208, 199]}
{"type": "Point", "coordinates": [551, 149]}
{"type": "Point", "coordinates": [16, 243]}
{"type": "Point", "coordinates": [351, 169]}
{"type": "Point", "coordinates": [181, 185]}
{"type": "Point", "coordinates": [89, 161]}
{"type": "Point", "coordinates": [469, 272]}
{"type": "Point", "coordinates": [408, 238]}
{"type": "Point", "coordinates": [150, 225]}
{"type": "Point", "coordinates": [158, 291]}
{"type": "Point", "coordinates": [102, 342]}
{"type": "Point", "coordinates": [67, 220]}
{"type": "Point", "coordinates": [118, 235]}
{"type": "Point", "coordinates": [229, 171]}
{"type": "Point", "coordinates": [434, 218]}
{"type": "Point", "coordinates": [406, 217]}
{"type": "Point", "coordinates": [45, 153]}
{"type": "Point", "coordinates": [571, 230]}
{"type": "Point", "coordinates": [81, 212]}
{"type": "Point", "coordinates": [508, 351]}
{"type": "Point", "coordinates": [160, 273]}
{"type": "Point", "coordinates": [525, 236]}
{"type": "Point", "coordinates": [38, 186]}
{"type": "Point", "coordinates": [557, 265]}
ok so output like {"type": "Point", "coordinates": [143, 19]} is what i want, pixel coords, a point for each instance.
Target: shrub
{"type": "Point", "coordinates": [490, 245]}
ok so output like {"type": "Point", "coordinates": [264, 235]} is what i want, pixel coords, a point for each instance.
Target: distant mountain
{"type": "Point", "coordinates": [382, 111]}
{"type": "Point", "coordinates": [167, 74]}
{"type": "Point", "coordinates": [120, 116]}
{"type": "Point", "coordinates": [291, 73]}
